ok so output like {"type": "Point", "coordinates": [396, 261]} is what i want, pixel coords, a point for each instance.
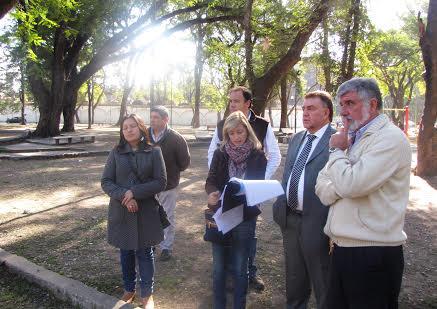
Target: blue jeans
{"type": "Point", "coordinates": [242, 236]}
{"type": "Point", "coordinates": [252, 253]}
{"type": "Point", "coordinates": [146, 266]}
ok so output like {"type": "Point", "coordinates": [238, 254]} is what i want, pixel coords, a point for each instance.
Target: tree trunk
{"type": "Point", "coordinates": [6, 6]}
{"type": "Point", "coordinates": [22, 93]}
{"type": "Point", "coordinates": [90, 94]}
{"type": "Point", "coordinates": [248, 45]}
{"type": "Point", "coordinates": [354, 37]}
{"type": "Point", "coordinates": [271, 116]}
{"type": "Point", "coordinates": [99, 99]}
{"type": "Point", "coordinates": [426, 164]}
{"type": "Point", "coordinates": [49, 119]}
{"type": "Point", "coordinates": [327, 67]}
{"type": "Point", "coordinates": [284, 101]}
{"type": "Point", "coordinates": [69, 103]}
{"type": "Point", "coordinates": [50, 101]}
{"type": "Point", "coordinates": [198, 71]}
{"type": "Point", "coordinates": [152, 92]}
{"type": "Point", "coordinates": [264, 84]}
{"type": "Point", "coordinates": [350, 43]}
{"type": "Point", "coordinates": [76, 115]}
{"type": "Point", "coordinates": [127, 89]}
{"type": "Point", "coordinates": [123, 105]}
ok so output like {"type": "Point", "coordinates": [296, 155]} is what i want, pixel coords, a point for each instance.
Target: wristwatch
{"type": "Point", "coordinates": [333, 149]}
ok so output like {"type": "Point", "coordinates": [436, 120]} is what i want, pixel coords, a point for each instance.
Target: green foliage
{"type": "Point", "coordinates": [394, 59]}
{"type": "Point", "coordinates": [9, 95]}
{"type": "Point", "coordinates": [212, 98]}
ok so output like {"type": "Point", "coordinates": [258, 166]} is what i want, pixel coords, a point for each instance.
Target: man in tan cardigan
{"type": "Point", "coordinates": [366, 183]}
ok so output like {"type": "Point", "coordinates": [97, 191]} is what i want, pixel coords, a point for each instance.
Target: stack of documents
{"type": "Point", "coordinates": [256, 191]}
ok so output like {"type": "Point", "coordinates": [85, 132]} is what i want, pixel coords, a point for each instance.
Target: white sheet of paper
{"type": "Point", "coordinates": [228, 220]}
{"type": "Point", "coordinates": [258, 191]}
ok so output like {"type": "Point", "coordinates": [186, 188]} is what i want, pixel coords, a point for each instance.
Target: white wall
{"type": "Point", "coordinates": [109, 115]}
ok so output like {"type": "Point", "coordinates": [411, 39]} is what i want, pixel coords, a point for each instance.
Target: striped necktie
{"type": "Point", "coordinates": [296, 172]}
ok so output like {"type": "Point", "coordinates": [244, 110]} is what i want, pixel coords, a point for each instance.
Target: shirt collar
{"type": "Point", "coordinates": [358, 133]}
{"type": "Point", "coordinates": [156, 138]}
{"type": "Point", "coordinates": [320, 132]}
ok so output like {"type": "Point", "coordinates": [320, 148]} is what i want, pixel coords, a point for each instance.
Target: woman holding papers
{"type": "Point", "coordinates": [239, 156]}
{"type": "Point", "coordinates": [134, 173]}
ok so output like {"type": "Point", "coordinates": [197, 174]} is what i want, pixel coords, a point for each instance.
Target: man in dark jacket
{"type": "Point", "coordinates": [177, 158]}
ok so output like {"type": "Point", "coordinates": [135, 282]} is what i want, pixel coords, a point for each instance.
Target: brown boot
{"type": "Point", "coordinates": [148, 302]}
{"type": "Point", "coordinates": [128, 296]}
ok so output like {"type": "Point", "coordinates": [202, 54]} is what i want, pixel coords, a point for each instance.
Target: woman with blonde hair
{"type": "Point", "coordinates": [239, 156]}
{"type": "Point", "coordinates": [133, 174]}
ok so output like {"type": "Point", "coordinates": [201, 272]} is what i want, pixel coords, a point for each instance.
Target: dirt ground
{"type": "Point", "coordinates": [54, 213]}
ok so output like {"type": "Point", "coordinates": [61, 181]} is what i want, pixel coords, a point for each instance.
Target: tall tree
{"type": "Point", "coordinates": [199, 35]}
{"type": "Point", "coordinates": [426, 160]}
{"type": "Point", "coordinates": [395, 61]}
{"type": "Point", "coordinates": [127, 88]}
{"type": "Point", "coordinates": [350, 42]}
{"type": "Point", "coordinates": [59, 30]}
{"type": "Point", "coordinates": [302, 26]}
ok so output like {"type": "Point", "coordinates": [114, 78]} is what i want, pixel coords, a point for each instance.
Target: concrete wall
{"type": "Point", "coordinates": [109, 115]}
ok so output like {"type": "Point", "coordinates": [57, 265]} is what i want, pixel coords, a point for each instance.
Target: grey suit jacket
{"type": "Point", "coordinates": [314, 211]}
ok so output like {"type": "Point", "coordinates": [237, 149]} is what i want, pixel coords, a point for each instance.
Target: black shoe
{"type": "Point", "coordinates": [256, 283]}
{"type": "Point", "coordinates": [165, 255]}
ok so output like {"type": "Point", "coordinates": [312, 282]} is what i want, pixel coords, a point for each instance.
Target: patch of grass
{"type": "Point", "coordinates": [430, 302]}
{"type": "Point", "coordinates": [169, 283]}
{"type": "Point", "coordinates": [16, 292]}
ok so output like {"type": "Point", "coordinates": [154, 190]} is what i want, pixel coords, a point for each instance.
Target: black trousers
{"type": "Point", "coordinates": [365, 277]}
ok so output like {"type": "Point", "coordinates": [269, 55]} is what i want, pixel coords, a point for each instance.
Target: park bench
{"type": "Point", "coordinates": [69, 139]}
{"type": "Point", "coordinates": [58, 139]}
{"type": "Point", "coordinates": [276, 131]}
{"type": "Point", "coordinates": [202, 136]}
{"type": "Point", "coordinates": [87, 138]}
{"type": "Point", "coordinates": [284, 135]}
{"type": "Point", "coordinates": [286, 131]}
{"type": "Point", "coordinates": [210, 127]}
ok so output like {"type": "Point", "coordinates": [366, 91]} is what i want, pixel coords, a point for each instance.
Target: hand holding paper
{"type": "Point", "coordinates": [230, 214]}
{"type": "Point", "coordinates": [258, 191]}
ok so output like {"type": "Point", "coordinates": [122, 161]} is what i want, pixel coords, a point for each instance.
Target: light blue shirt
{"type": "Point", "coordinates": [360, 132]}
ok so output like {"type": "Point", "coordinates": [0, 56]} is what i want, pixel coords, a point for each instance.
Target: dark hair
{"type": "Point", "coordinates": [325, 97]}
{"type": "Point", "coordinates": [247, 94]}
{"type": "Point", "coordinates": [161, 110]}
{"type": "Point", "coordinates": [145, 138]}
{"type": "Point", "coordinates": [366, 88]}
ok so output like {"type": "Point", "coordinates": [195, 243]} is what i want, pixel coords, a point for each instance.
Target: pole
{"type": "Point", "coordinates": [171, 102]}
{"type": "Point", "coordinates": [407, 116]}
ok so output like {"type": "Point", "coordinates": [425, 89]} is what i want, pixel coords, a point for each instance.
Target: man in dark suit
{"type": "Point", "coordinates": [299, 212]}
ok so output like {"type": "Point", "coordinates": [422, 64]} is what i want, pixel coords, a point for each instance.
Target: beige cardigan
{"type": "Point", "coordinates": [367, 188]}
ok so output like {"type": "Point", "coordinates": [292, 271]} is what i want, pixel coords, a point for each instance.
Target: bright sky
{"type": "Point", "coordinates": [385, 13]}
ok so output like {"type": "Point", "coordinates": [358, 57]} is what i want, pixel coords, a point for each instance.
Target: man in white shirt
{"type": "Point", "coordinates": [240, 99]}
{"type": "Point", "coordinates": [299, 213]}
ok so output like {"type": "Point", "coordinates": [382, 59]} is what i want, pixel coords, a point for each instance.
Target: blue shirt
{"type": "Point", "coordinates": [360, 132]}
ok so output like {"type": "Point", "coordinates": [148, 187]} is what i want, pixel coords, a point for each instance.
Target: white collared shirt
{"type": "Point", "coordinates": [300, 188]}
